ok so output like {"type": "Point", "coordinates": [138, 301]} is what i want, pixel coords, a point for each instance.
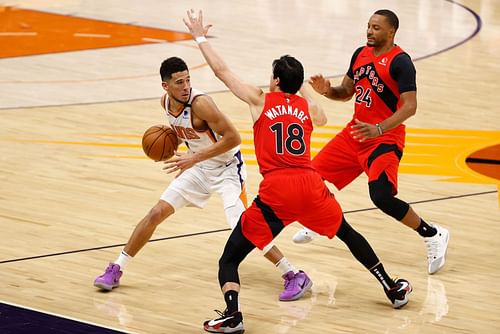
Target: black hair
{"type": "Point", "coordinates": [170, 66]}
{"type": "Point", "coordinates": [390, 16]}
{"type": "Point", "coordinates": [290, 73]}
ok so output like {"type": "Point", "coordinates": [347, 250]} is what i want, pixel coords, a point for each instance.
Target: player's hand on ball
{"type": "Point", "coordinates": [180, 162]}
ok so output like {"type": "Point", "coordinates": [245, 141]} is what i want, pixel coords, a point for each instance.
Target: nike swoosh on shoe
{"type": "Point", "coordinates": [213, 323]}
{"type": "Point", "coordinates": [404, 286]}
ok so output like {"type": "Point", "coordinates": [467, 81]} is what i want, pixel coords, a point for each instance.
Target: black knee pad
{"type": "Point", "coordinates": [381, 195]}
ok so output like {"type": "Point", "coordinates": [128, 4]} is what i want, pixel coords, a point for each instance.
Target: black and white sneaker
{"type": "Point", "coordinates": [227, 323]}
{"type": "Point", "coordinates": [399, 294]}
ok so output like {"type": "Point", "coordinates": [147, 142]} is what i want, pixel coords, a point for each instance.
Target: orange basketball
{"type": "Point", "coordinates": [159, 142]}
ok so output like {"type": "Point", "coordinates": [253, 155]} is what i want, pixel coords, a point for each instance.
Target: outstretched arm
{"type": "Point", "coordinates": [250, 94]}
{"type": "Point", "coordinates": [344, 92]}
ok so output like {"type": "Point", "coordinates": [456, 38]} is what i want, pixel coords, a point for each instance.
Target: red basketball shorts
{"type": "Point", "coordinates": [343, 159]}
{"type": "Point", "coordinates": [291, 194]}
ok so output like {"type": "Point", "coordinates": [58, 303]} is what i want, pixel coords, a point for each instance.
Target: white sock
{"type": "Point", "coordinates": [286, 266]}
{"type": "Point", "coordinates": [123, 260]}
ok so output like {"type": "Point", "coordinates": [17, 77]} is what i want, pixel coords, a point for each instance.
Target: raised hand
{"type": "Point", "coordinates": [319, 84]}
{"type": "Point", "coordinates": [195, 24]}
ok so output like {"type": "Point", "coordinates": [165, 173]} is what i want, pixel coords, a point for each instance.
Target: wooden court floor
{"type": "Point", "coordinates": [79, 85]}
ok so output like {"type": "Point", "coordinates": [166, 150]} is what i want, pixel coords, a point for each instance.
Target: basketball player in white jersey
{"type": "Point", "coordinates": [212, 165]}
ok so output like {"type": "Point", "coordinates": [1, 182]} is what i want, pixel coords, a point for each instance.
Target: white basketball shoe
{"type": "Point", "coordinates": [436, 248]}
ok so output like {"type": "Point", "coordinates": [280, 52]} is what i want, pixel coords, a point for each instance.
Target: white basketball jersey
{"type": "Point", "coordinates": [195, 140]}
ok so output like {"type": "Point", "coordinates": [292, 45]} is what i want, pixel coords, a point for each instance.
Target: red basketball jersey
{"type": "Point", "coordinates": [282, 134]}
{"type": "Point", "coordinates": [376, 93]}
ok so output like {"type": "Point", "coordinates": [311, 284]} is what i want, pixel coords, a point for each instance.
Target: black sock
{"type": "Point", "coordinates": [425, 230]}
{"type": "Point", "coordinates": [379, 272]}
{"type": "Point", "coordinates": [231, 298]}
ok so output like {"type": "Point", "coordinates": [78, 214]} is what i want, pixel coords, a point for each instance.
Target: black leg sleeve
{"type": "Point", "coordinates": [381, 195]}
{"type": "Point", "coordinates": [236, 249]}
{"type": "Point", "coordinates": [358, 245]}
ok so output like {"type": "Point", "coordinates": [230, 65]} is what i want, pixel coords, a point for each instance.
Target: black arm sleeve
{"type": "Point", "coordinates": [403, 71]}
{"type": "Point", "coordinates": [353, 59]}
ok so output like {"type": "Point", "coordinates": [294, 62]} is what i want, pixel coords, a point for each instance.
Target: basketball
{"type": "Point", "coordinates": [159, 142]}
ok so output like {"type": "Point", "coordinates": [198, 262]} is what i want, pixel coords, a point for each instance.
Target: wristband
{"type": "Point", "coordinates": [379, 128]}
{"type": "Point", "coordinates": [200, 39]}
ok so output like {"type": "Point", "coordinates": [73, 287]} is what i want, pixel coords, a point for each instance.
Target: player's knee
{"type": "Point", "coordinates": [381, 193]}
{"type": "Point", "coordinates": [157, 215]}
{"type": "Point", "coordinates": [228, 259]}
{"type": "Point", "coordinates": [381, 200]}
{"type": "Point", "coordinates": [387, 203]}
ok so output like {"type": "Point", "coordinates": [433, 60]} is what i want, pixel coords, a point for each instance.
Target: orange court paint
{"type": "Point", "coordinates": [26, 32]}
